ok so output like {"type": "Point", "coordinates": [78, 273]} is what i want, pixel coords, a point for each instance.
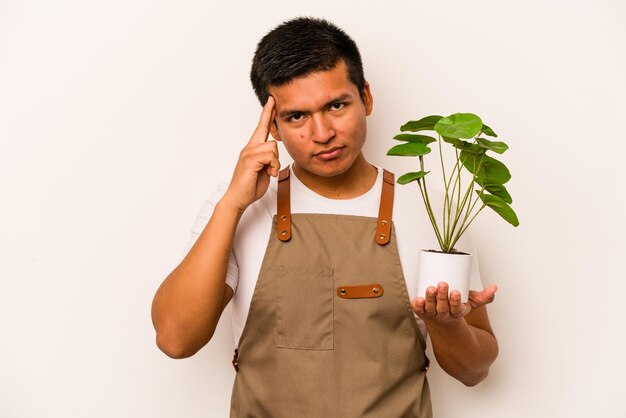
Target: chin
{"type": "Point", "coordinates": [330, 170]}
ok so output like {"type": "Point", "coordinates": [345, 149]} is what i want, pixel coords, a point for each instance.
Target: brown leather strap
{"type": "Point", "coordinates": [385, 211]}
{"type": "Point", "coordinates": [374, 290]}
{"type": "Point", "coordinates": [283, 214]}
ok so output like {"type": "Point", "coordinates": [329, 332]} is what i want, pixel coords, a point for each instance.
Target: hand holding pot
{"type": "Point", "coordinates": [461, 336]}
{"type": "Point", "coordinates": [440, 307]}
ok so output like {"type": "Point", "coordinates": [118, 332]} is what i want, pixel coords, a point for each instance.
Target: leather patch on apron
{"type": "Point", "coordinates": [359, 292]}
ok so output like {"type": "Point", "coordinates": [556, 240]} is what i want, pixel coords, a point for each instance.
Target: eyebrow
{"type": "Point", "coordinates": [289, 112]}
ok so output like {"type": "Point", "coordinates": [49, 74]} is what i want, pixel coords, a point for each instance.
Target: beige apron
{"type": "Point", "coordinates": [330, 332]}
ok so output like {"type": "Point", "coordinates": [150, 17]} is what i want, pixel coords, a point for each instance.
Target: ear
{"type": "Point", "coordinates": [274, 130]}
{"type": "Point", "coordinates": [368, 99]}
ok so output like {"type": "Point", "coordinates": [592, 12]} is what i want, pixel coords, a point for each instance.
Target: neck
{"type": "Point", "coordinates": [354, 182]}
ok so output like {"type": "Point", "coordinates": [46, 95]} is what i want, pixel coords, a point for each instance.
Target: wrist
{"type": "Point", "coordinates": [228, 206]}
{"type": "Point", "coordinates": [455, 326]}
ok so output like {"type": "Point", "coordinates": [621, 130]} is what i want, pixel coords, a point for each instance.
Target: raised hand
{"type": "Point", "coordinates": [257, 162]}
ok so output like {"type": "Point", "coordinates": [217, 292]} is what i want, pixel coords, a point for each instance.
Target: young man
{"type": "Point", "coordinates": [321, 313]}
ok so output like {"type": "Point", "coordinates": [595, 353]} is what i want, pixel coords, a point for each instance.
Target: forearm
{"type": "Point", "coordinates": [188, 304]}
{"type": "Point", "coordinates": [463, 351]}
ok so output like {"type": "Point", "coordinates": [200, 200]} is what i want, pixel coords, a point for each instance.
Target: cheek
{"type": "Point", "coordinates": [355, 126]}
{"type": "Point", "coordinates": [290, 132]}
{"type": "Point", "coordinates": [293, 143]}
{"type": "Point", "coordinates": [294, 135]}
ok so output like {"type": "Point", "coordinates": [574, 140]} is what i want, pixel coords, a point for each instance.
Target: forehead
{"type": "Point", "coordinates": [314, 90]}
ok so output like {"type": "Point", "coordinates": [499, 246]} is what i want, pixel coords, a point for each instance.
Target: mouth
{"type": "Point", "coordinates": [330, 153]}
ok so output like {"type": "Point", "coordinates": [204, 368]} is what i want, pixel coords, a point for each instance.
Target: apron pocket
{"type": "Point", "coordinates": [304, 308]}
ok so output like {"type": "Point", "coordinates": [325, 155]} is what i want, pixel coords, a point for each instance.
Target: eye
{"type": "Point", "coordinates": [295, 117]}
{"type": "Point", "coordinates": [337, 106]}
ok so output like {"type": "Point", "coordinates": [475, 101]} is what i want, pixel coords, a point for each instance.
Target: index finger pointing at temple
{"type": "Point", "coordinates": [263, 128]}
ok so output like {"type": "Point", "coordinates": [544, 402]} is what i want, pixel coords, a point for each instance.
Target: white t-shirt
{"type": "Point", "coordinates": [413, 233]}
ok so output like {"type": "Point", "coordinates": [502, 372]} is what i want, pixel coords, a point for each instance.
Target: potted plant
{"type": "Point", "coordinates": [472, 183]}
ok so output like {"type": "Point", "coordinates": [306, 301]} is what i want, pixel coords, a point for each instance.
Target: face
{"type": "Point", "coordinates": [320, 118]}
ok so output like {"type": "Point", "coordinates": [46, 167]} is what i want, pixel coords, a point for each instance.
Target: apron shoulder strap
{"type": "Point", "coordinates": [385, 211]}
{"type": "Point", "coordinates": [283, 213]}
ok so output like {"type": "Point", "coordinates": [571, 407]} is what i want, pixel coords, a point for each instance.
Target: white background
{"type": "Point", "coordinates": [118, 118]}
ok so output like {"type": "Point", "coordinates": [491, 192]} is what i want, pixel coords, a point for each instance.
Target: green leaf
{"type": "Point", "coordinates": [459, 125]}
{"type": "Point", "coordinates": [424, 124]}
{"type": "Point", "coordinates": [410, 149]}
{"type": "Point", "coordinates": [500, 207]}
{"type": "Point", "coordinates": [464, 145]}
{"type": "Point", "coordinates": [409, 177]}
{"type": "Point", "coordinates": [498, 190]}
{"type": "Point", "coordinates": [495, 146]}
{"type": "Point", "coordinates": [488, 131]}
{"type": "Point", "coordinates": [422, 139]}
{"type": "Point", "coordinates": [491, 171]}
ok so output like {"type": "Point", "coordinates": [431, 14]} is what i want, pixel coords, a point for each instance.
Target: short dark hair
{"type": "Point", "coordinates": [299, 47]}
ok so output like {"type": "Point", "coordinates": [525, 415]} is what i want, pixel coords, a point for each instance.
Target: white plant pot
{"type": "Point", "coordinates": [454, 269]}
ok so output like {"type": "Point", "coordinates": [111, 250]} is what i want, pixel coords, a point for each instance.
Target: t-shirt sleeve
{"type": "Point", "coordinates": [232, 274]}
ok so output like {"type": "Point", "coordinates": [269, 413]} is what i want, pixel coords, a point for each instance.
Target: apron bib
{"type": "Point", "coordinates": [330, 332]}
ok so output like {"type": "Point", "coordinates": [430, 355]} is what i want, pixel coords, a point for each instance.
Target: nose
{"type": "Point", "coordinates": [322, 129]}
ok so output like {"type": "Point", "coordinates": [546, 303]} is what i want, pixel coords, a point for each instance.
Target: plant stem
{"type": "Point", "coordinates": [461, 206]}
{"type": "Point", "coordinates": [470, 205]}
{"type": "Point", "coordinates": [466, 226]}
{"type": "Point", "coordinates": [457, 183]}
{"type": "Point", "coordinates": [429, 209]}
{"type": "Point", "coordinates": [446, 202]}
{"type": "Point", "coordinates": [458, 179]}
{"type": "Point", "coordinates": [476, 169]}
{"type": "Point", "coordinates": [471, 208]}
{"type": "Point", "coordinates": [458, 164]}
